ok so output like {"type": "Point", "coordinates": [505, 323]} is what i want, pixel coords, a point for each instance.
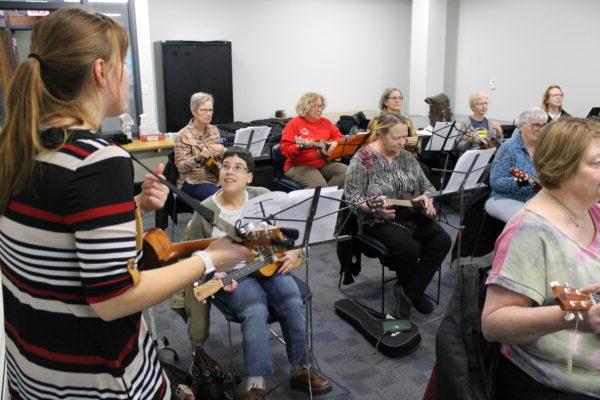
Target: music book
{"type": "Point", "coordinates": [252, 138]}
{"type": "Point", "coordinates": [442, 137]}
{"type": "Point", "coordinates": [290, 210]}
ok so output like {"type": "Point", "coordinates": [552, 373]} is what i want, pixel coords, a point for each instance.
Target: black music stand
{"type": "Point", "coordinates": [306, 245]}
{"type": "Point", "coordinates": [465, 178]}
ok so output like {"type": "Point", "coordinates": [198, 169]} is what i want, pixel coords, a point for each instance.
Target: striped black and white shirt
{"type": "Point", "coordinates": [64, 244]}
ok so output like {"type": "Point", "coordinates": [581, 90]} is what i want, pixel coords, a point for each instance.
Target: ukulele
{"type": "Point", "coordinates": [261, 269]}
{"type": "Point", "coordinates": [212, 165]}
{"type": "Point", "coordinates": [158, 250]}
{"type": "Point", "coordinates": [262, 266]}
{"type": "Point", "coordinates": [524, 179]}
{"type": "Point", "coordinates": [322, 146]}
{"type": "Point", "coordinates": [573, 301]}
{"type": "Point", "coordinates": [406, 209]}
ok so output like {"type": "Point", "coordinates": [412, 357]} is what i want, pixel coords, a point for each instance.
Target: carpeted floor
{"type": "Point", "coordinates": [358, 371]}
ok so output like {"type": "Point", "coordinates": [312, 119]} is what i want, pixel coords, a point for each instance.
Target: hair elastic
{"type": "Point", "coordinates": [33, 55]}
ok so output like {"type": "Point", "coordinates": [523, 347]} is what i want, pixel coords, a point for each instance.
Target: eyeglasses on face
{"type": "Point", "coordinates": [536, 127]}
{"type": "Point", "coordinates": [319, 106]}
{"type": "Point", "coordinates": [206, 110]}
{"type": "Point", "coordinates": [396, 98]}
{"type": "Point", "coordinates": [237, 168]}
{"type": "Point", "coordinates": [483, 103]}
{"type": "Point", "coordinates": [556, 95]}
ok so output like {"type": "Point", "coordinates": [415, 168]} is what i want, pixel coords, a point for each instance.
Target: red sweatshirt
{"type": "Point", "coordinates": [302, 128]}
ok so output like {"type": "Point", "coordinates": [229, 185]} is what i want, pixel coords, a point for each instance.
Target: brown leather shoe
{"type": "Point", "coordinates": [255, 394]}
{"type": "Point", "coordinates": [299, 380]}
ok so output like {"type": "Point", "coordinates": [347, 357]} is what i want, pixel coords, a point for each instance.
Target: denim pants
{"type": "Point", "coordinates": [251, 302]}
{"type": "Point", "coordinates": [200, 191]}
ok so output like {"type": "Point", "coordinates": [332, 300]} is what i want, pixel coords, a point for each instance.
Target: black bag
{"type": "Point", "coordinates": [370, 324]}
{"type": "Point", "coordinates": [466, 362]}
{"type": "Point", "coordinates": [208, 377]}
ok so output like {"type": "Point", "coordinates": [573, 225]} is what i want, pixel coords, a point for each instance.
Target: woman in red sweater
{"type": "Point", "coordinates": [301, 139]}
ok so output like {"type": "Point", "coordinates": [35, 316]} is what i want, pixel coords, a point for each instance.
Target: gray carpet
{"type": "Point", "coordinates": [358, 371]}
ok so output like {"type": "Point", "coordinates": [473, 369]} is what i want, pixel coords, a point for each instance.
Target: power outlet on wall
{"type": "Point", "coordinates": [492, 84]}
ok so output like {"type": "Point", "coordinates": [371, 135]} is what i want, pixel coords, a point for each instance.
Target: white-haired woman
{"type": "Point", "coordinates": [198, 150]}
{"type": "Point", "coordinates": [478, 131]}
{"type": "Point", "coordinates": [508, 194]}
{"type": "Point", "coordinates": [300, 136]}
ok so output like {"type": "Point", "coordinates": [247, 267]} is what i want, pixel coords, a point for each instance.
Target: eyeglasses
{"type": "Point", "coordinates": [485, 103]}
{"type": "Point", "coordinates": [536, 126]}
{"type": "Point", "coordinates": [556, 95]}
{"type": "Point", "coordinates": [319, 106]}
{"type": "Point", "coordinates": [396, 98]}
{"type": "Point", "coordinates": [206, 110]}
{"type": "Point", "coordinates": [237, 168]}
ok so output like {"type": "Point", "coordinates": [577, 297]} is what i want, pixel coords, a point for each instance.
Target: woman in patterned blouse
{"type": "Point", "coordinates": [198, 150]}
{"type": "Point", "coordinates": [381, 170]}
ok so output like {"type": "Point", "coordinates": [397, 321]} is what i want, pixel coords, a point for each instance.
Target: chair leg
{"type": "Point", "coordinates": [231, 361]}
{"type": "Point", "coordinates": [382, 289]}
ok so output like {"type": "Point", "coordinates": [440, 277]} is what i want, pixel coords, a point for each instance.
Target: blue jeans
{"type": "Point", "coordinates": [200, 191]}
{"type": "Point", "coordinates": [251, 303]}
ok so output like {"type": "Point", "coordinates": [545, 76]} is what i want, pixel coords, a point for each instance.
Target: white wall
{"type": "Point", "coordinates": [525, 46]}
{"type": "Point", "coordinates": [349, 50]}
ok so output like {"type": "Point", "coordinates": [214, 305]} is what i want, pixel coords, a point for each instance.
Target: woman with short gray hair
{"type": "Point", "coordinates": [509, 194]}
{"type": "Point", "coordinates": [477, 131]}
{"type": "Point", "coordinates": [198, 150]}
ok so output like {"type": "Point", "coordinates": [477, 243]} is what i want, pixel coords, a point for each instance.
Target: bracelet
{"type": "Point", "coordinates": [209, 266]}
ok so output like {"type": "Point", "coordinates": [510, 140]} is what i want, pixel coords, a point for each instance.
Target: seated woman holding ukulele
{"type": "Point", "coordinates": [554, 238]}
{"type": "Point", "coordinates": [254, 297]}
{"type": "Point", "coordinates": [198, 150]}
{"type": "Point", "coordinates": [383, 169]}
{"type": "Point", "coordinates": [306, 141]}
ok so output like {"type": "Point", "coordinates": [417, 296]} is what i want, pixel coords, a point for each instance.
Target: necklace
{"type": "Point", "coordinates": [569, 212]}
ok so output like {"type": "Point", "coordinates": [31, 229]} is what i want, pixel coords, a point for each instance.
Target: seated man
{"type": "Point", "coordinates": [508, 193]}
{"type": "Point", "coordinates": [254, 297]}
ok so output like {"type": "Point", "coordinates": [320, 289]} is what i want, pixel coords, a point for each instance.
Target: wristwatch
{"type": "Point", "coordinates": [209, 266]}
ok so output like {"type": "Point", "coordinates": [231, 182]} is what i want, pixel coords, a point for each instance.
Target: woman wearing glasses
{"type": "Point", "coordinates": [300, 143]}
{"type": "Point", "coordinates": [391, 101]}
{"type": "Point", "coordinates": [510, 194]}
{"type": "Point", "coordinates": [198, 150]}
{"type": "Point", "coordinates": [552, 103]}
{"type": "Point", "coordinates": [478, 131]}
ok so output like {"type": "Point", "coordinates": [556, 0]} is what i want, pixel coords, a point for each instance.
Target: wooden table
{"type": "Point", "coordinates": [150, 153]}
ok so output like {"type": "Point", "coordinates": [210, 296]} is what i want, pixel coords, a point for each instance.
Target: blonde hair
{"type": "Point", "coordinates": [307, 101]}
{"type": "Point", "coordinates": [561, 147]}
{"type": "Point", "coordinates": [47, 87]}
{"type": "Point", "coordinates": [385, 121]}
{"type": "Point", "coordinates": [476, 97]}
{"type": "Point", "coordinates": [546, 96]}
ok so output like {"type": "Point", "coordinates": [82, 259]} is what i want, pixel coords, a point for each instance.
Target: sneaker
{"type": "Point", "coordinates": [255, 394]}
{"type": "Point", "coordinates": [424, 305]}
{"type": "Point", "coordinates": [309, 380]}
{"type": "Point", "coordinates": [403, 303]}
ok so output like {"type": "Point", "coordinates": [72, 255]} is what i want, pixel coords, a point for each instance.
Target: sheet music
{"type": "Point", "coordinates": [438, 137]}
{"type": "Point", "coordinates": [463, 164]}
{"type": "Point", "coordinates": [258, 138]}
{"type": "Point", "coordinates": [298, 202]}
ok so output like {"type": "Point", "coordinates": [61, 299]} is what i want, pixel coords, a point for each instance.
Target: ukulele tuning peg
{"type": "Point", "coordinates": [263, 225]}
{"type": "Point", "coordinates": [580, 317]}
{"type": "Point", "coordinates": [569, 317]}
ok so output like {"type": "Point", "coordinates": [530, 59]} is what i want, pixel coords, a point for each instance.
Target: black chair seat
{"type": "Point", "coordinates": [281, 181]}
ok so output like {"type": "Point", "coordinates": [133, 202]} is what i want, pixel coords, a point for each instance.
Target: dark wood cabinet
{"type": "Point", "coordinates": [186, 67]}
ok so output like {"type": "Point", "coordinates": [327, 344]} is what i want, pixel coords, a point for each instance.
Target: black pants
{"type": "Point", "coordinates": [414, 257]}
{"type": "Point", "coordinates": [514, 384]}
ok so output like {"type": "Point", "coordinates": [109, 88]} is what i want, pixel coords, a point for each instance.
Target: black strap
{"type": "Point", "coordinates": [208, 214]}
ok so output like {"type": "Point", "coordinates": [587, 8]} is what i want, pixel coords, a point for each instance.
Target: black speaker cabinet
{"type": "Point", "coordinates": [186, 67]}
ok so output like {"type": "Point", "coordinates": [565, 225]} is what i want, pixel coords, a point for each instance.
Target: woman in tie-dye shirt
{"type": "Point", "coordinates": [554, 238]}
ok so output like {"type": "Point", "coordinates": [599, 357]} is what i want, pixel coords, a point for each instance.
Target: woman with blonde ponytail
{"type": "Point", "coordinates": [384, 170]}
{"type": "Point", "coordinates": [72, 292]}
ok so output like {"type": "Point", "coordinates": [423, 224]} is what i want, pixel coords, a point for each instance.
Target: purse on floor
{"type": "Point", "coordinates": [208, 377]}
